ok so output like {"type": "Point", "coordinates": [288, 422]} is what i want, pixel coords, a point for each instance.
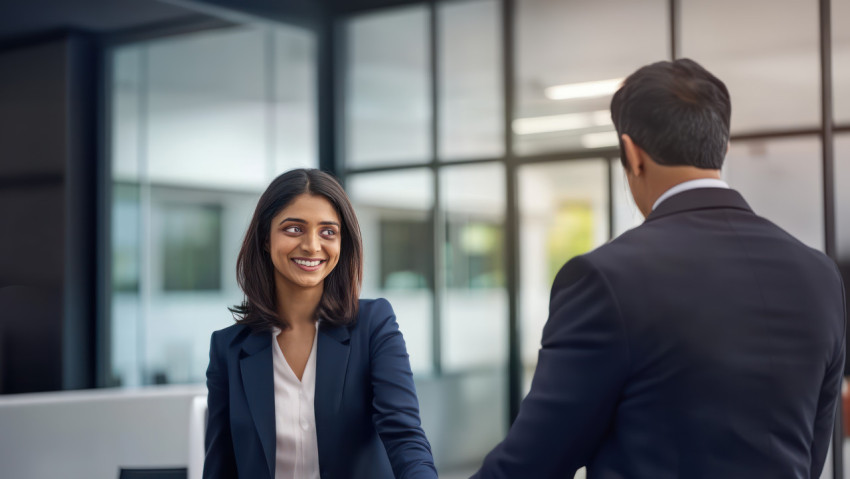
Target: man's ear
{"type": "Point", "coordinates": [634, 157]}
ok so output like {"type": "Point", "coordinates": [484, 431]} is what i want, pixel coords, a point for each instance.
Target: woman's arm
{"type": "Point", "coordinates": [219, 461]}
{"type": "Point", "coordinates": [394, 403]}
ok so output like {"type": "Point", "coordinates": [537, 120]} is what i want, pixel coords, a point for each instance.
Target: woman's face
{"type": "Point", "coordinates": [304, 242]}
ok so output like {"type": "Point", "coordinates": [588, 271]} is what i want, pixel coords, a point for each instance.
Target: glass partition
{"type": "Point", "coordinates": [200, 124]}
{"type": "Point", "coordinates": [563, 213]}
{"type": "Point", "coordinates": [767, 55]}
{"type": "Point", "coordinates": [470, 87]}
{"type": "Point", "coordinates": [394, 210]}
{"type": "Point", "coordinates": [766, 171]}
{"type": "Point", "coordinates": [570, 59]}
{"type": "Point", "coordinates": [387, 99]}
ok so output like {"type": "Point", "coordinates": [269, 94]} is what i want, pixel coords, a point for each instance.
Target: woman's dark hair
{"type": "Point", "coordinates": [254, 268]}
{"type": "Point", "coordinates": [677, 112]}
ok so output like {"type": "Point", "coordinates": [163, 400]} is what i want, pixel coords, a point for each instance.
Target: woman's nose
{"type": "Point", "coordinates": [311, 243]}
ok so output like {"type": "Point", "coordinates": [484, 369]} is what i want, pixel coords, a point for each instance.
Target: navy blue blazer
{"type": "Point", "coordinates": [705, 343]}
{"type": "Point", "coordinates": [367, 414]}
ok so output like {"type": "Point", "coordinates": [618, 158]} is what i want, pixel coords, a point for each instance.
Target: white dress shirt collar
{"type": "Point", "coordinates": [690, 185]}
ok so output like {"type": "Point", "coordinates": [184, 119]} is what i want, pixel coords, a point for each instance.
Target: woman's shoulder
{"type": "Point", "coordinates": [231, 334]}
{"type": "Point", "coordinates": [374, 309]}
{"type": "Point", "coordinates": [374, 314]}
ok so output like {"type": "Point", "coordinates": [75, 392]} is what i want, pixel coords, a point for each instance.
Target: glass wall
{"type": "Point", "coordinates": [452, 214]}
{"type": "Point", "coordinates": [387, 97]}
{"type": "Point", "coordinates": [563, 213]}
{"type": "Point", "coordinates": [570, 58]}
{"type": "Point", "coordinates": [395, 209]}
{"type": "Point", "coordinates": [200, 124]}
{"type": "Point", "coordinates": [768, 56]}
{"type": "Point", "coordinates": [765, 170]}
{"type": "Point", "coordinates": [470, 84]}
{"type": "Point", "coordinates": [453, 311]}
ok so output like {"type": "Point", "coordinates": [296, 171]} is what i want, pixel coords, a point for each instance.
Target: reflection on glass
{"type": "Point", "coordinates": [767, 56]}
{"type": "Point", "coordinates": [474, 322]}
{"type": "Point", "coordinates": [126, 99]}
{"type": "Point", "coordinates": [394, 210]}
{"type": "Point", "coordinates": [568, 67]}
{"type": "Point", "coordinates": [475, 306]}
{"type": "Point", "coordinates": [126, 277]}
{"type": "Point", "coordinates": [191, 235]}
{"type": "Point", "coordinates": [841, 60]}
{"type": "Point", "coordinates": [205, 114]}
{"type": "Point", "coordinates": [190, 278]}
{"type": "Point", "coordinates": [387, 95]}
{"type": "Point", "coordinates": [471, 109]}
{"type": "Point", "coordinates": [563, 213]}
{"type": "Point", "coordinates": [626, 213]}
{"type": "Point", "coordinates": [196, 137]}
{"type": "Point", "coordinates": [295, 117]}
{"type": "Point", "coordinates": [765, 172]}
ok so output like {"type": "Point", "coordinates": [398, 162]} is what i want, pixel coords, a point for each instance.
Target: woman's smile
{"type": "Point", "coordinates": [308, 264]}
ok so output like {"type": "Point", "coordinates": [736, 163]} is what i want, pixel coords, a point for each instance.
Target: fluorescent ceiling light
{"type": "Point", "coordinates": [569, 121]}
{"type": "Point", "coordinates": [599, 140]}
{"type": "Point", "coordinates": [588, 89]}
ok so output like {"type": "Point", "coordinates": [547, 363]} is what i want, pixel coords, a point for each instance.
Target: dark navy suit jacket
{"type": "Point", "coordinates": [367, 414]}
{"type": "Point", "coordinates": [705, 343]}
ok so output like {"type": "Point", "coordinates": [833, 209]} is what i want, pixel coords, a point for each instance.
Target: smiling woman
{"type": "Point", "coordinates": [277, 405]}
{"type": "Point", "coordinates": [304, 244]}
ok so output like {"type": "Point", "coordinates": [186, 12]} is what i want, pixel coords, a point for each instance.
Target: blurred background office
{"type": "Point", "coordinates": [472, 135]}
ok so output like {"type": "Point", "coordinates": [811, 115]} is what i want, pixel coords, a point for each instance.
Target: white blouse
{"type": "Point", "coordinates": [297, 451]}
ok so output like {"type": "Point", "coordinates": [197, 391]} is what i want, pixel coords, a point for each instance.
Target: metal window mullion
{"type": "Point", "coordinates": [145, 214]}
{"type": "Point", "coordinates": [270, 100]}
{"type": "Point", "coordinates": [829, 193]}
{"type": "Point", "coordinates": [438, 216]}
{"type": "Point", "coordinates": [512, 212]}
{"type": "Point", "coordinates": [675, 24]}
{"type": "Point", "coordinates": [611, 170]}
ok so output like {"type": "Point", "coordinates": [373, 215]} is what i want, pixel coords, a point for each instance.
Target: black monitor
{"type": "Point", "coordinates": [156, 473]}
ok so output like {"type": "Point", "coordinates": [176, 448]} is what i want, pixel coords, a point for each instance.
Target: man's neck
{"type": "Point", "coordinates": [670, 176]}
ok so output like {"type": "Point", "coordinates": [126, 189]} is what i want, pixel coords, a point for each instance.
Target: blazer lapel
{"type": "Point", "coordinates": [258, 380]}
{"type": "Point", "coordinates": [332, 349]}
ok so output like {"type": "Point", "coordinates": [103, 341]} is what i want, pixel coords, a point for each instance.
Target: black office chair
{"type": "Point", "coordinates": [174, 473]}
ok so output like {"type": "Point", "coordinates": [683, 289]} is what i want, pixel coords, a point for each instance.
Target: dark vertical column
{"type": "Point", "coordinates": [511, 216]}
{"type": "Point", "coordinates": [330, 64]}
{"type": "Point", "coordinates": [81, 167]}
{"type": "Point", "coordinates": [103, 222]}
{"type": "Point", "coordinates": [47, 205]}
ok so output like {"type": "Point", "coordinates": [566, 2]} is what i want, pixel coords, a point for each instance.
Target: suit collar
{"type": "Point", "coordinates": [258, 380]}
{"type": "Point", "coordinates": [333, 352]}
{"type": "Point", "coordinates": [700, 199]}
{"type": "Point", "coordinates": [341, 334]}
{"type": "Point", "coordinates": [257, 368]}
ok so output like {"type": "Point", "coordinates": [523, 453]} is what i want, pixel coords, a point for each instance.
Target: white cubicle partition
{"type": "Point", "coordinates": [91, 434]}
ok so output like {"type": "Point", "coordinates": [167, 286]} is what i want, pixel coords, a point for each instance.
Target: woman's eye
{"type": "Point", "coordinates": [329, 232]}
{"type": "Point", "coordinates": [292, 229]}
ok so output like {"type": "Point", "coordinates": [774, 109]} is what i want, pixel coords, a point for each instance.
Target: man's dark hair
{"type": "Point", "coordinates": [254, 268]}
{"type": "Point", "coordinates": [677, 112]}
